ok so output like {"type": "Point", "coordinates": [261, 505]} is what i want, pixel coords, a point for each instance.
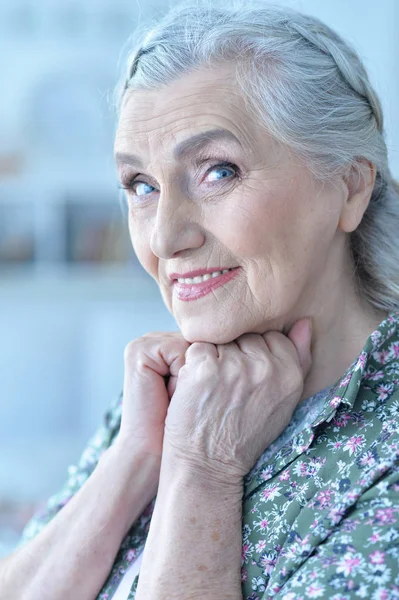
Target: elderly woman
{"type": "Point", "coordinates": [255, 453]}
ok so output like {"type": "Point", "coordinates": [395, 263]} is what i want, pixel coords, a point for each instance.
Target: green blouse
{"type": "Point", "coordinates": [320, 518]}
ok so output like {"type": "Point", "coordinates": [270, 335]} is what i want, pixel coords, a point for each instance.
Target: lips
{"type": "Point", "coordinates": [193, 291]}
{"type": "Point", "coordinates": [197, 272]}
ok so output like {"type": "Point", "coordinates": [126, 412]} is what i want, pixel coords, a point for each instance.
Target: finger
{"type": "Point", "coordinates": [279, 345]}
{"type": "Point", "coordinates": [174, 357]}
{"type": "Point", "coordinates": [301, 336]}
{"type": "Point", "coordinates": [251, 343]}
{"type": "Point", "coordinates": [201, 350]}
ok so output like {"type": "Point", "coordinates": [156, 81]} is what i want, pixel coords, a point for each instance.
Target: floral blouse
{"type": "Point", "coordinates": [320, 516]}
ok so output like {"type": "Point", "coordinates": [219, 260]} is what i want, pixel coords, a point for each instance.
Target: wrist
{"type": "Point", "coordinates": [198, 475]}
{"type": "Point", "coordinates": [191, 505]}
{"type": "Point", "coordinates": [139, 472]}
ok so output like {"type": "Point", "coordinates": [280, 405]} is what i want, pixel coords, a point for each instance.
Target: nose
{"type": "Point", "coordinates": [176, 227]}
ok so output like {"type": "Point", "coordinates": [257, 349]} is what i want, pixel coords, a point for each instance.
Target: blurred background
{"type": "Point", "coordinates": [72, 293]}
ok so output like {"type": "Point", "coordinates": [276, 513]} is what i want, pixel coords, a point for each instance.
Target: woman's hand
{"type": "Point", "coordinates": [233, 400]}
{"type": "Point", "coordinates": [152, 364]}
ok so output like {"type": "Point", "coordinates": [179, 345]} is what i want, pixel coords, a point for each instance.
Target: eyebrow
{"type": "Point", "coordinates": [186, 148]}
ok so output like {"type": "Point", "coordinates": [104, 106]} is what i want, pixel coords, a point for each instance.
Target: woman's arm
{"type": "Point", "coordinates": [231, 401]}
{"type": "Point", "coordinates": [72, 556]}
{"type": "Point", "coordinates": [193, 549]}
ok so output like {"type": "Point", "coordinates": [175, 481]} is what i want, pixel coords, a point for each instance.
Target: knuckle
{"type": "Point", "coordinates": [137, 347]}
{"type": "Point", "coordinates": [130, 351]}
{"type": "Point", "coordinates": [272, 337]}
{"type": "Point", "coordinates": [150, 340]}
{"type": "Point", "coordinates": [198, 348]}
{"type": "Point", "coordinates": [261, 371]}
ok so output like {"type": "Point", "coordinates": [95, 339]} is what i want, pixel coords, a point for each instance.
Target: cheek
{"type": "Point", "coordinates": [140, 239]}
{"type": "Point", "coordinates": [280, 236]}
{"type": "Point", "coordinates": [257, 226]}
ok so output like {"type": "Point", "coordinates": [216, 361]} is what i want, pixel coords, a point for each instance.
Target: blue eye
{"type": "Point", "coordinates": [141, 188]}
{"type": "Point", "coordinates": [220, 172]}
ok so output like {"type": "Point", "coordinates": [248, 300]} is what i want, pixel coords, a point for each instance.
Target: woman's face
{"type": "Point", "coordinates": [208, 190]}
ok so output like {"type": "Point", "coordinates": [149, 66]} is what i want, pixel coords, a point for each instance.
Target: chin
{"type": "Point", "coordinates": [198, 330]}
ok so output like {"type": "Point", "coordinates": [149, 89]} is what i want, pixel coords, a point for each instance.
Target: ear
{"type": "Point", "coordinates": [359, 182]}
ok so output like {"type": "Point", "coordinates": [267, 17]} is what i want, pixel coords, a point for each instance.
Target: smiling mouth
{"type": "Point", "coordinates": [201, 278]}
{"type": "Point", "coordinates": [192, 288]}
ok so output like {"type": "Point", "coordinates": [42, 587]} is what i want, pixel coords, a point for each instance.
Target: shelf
{"type": "Point", "coordinates": [76, 226]}
{"type": "Point", "coordinates": [77, 283]}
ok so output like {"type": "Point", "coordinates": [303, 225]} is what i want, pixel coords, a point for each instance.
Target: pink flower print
{"type": "Point", "coordinates": [347, 564]}
{"type": "Point", "coordinates": [354, 444]}
{"type": "Point", "coordinates": [246, 552]}
{"type": "Point", "coordinates": [341, 420]}
{"type": "Point", "coordinates": [375, 537]}
{"type": "Point", "coordinates": [335, 515]}
{"type": "Point", "coordinates": [381, 357]}
{"type": "Point", "coordinates": [244, 574]}
{"type": "Point", "coordinates": [267, 562]}
{"type": "Point", "coordinates": [336, 401]}
{"type": "Point", "coordinates": [324, 498]}
{"type": "Point", "coordinates": [385, 516]}
{"type": "Point", "coordinates": [305, 469]}
{"type": "Point", "coordinates": [276, 588]}
{"type": "Point", "coordinates": [367, 459]}
{"type": "Point", "coordinates": [267, 473]}
{"type": "Point", "coordinates": [301, 449]}
{"type": "Point", "coordinates": [374, 375]}
{"type": "Point", "coordinates": [271, 492]}
{"type": "Point", "coordinates": [377, 557]}
{"type": "Point", "coordinates": [376, 338]}
{"type": "Point", "coordinates": [130, 555]}
{"type": "Point", "coordinates": [361, 363]}
{"type": "Point", "coordinates": [353, 495]}
{"type": "Point", "coordinates": [350, 585]}
{"type": "Point", "coordinates": [315, 591]}
{"type": "Point", "coordinates": [394, 350]}
{"type": "Point", "coordinates": [345, 380]}
{"type": "Point", "coordinates": [384, 391]}
{"type": "Point", "coordinates": [284, 475]}
{"type": "Point", "coordinates": [260, 546]}
{"type": "Point", "coordinates": [382, 594]}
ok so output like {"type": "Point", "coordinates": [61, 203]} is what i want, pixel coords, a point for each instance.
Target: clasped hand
{"type": "Point", "coordinates": [224, 404]}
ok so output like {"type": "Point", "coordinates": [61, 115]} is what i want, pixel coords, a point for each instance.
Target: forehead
{"type": "Point", "coordinates": [208, 98]}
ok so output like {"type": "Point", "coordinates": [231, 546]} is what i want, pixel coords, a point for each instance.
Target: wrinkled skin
{"type": "Point", "coordinates": [239, 200]}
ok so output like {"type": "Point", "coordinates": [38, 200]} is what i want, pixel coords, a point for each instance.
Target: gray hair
{"type": "Point", "coordinates": [312, 92]}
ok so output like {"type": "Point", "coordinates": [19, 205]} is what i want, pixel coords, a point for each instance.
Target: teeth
{"type": "Point", "coordinates": [201, 278]}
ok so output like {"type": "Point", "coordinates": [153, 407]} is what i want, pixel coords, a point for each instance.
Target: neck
{"type": "Point", "coordinates": [339, 335]}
